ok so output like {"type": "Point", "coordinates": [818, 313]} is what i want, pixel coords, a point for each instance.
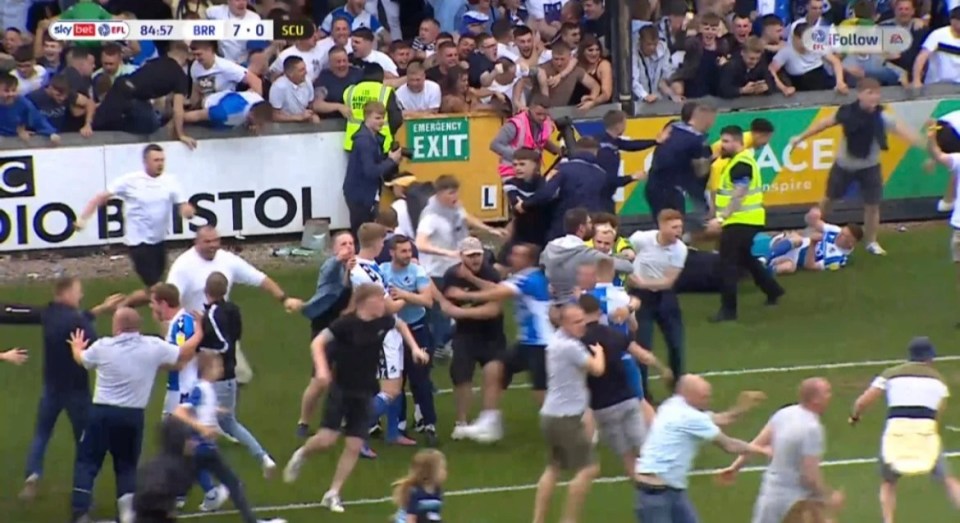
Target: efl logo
{"type": "Point", "coordinates": [16, 177]}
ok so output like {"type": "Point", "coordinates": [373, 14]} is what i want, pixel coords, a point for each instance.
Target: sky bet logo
{"type": "Point", "coordinates": [71, 31]}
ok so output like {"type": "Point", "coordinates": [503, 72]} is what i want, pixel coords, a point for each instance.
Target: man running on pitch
{"type": "Point", "coordinates": [865, 127]}
{"type": "Point", "coordinates": [793, 478]}
{"type": "Point", "coordinates": [911, 445]}
{"type": "Point", "coordinates": [148, 199]}
{"type": "Point", "coordinates": [682, 424]}
{"type": "Point", "coordinates": [355, 344]}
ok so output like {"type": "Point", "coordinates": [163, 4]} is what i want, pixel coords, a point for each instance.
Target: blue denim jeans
{"type": "Point", "coordinates": [440, 326]}
{"type": "Point", "coordinates": [227, 400]}
{"type": "Point", "coordinates": [665, 506]}
{"type": "Point", "coordinates": [52, 403]}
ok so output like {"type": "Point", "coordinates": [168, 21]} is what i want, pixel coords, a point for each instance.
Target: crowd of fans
{"type": "Point", "coordinates": [442, 56]}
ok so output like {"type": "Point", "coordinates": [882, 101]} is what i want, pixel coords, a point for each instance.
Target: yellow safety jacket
{"type": "Point", "coordinates": [355, 98]}
{"type": "Point", "coordinates": [751, 210]}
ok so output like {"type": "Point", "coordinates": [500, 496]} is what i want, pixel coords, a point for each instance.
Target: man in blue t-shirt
{"type": "Point", "coordinates": [408, 281]}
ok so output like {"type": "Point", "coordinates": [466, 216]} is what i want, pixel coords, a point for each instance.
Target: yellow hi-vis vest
{"type": "Point", "coordinates": [357, 96]}
{"type": "Point", "coordinates": [751, 210]}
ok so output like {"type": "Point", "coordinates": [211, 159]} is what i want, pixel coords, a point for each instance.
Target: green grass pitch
{"type": "Point", "coordinates": [841, 325]}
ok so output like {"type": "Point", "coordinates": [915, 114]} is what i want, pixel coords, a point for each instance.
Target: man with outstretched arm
{"type": "Point", "coordinates": [793, 484]}
{"type": "Point", "coordinates": [682, 424]}
{"type": "Point", "coordinates": [916, 396]}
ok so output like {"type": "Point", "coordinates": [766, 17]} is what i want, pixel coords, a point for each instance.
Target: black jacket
{"type": "Point", "coordinates": [734, 75]}
{"type": "Point", "coordinates": [166, 476]}
{"type": "Point", "coordinates": [222, 329]}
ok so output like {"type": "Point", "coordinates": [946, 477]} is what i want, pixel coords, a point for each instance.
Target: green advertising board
{"type": "Point", "coordinates": [798, 176]}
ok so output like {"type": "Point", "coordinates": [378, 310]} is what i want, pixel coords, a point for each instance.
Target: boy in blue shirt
{"type": "Point", "coordinates": [200, 413]}
{"type": "Point", "coordinates": [19, 117]}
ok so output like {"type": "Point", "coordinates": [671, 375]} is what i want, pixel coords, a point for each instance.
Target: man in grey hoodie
{"type": "Point", "coordinates": [563, 255]}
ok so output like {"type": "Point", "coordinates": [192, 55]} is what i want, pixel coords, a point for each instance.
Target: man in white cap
{"type": "Point", "coordinates": [911, 445]}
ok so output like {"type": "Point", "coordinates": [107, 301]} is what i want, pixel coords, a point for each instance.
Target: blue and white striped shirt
{"type": "Point", "coordinates": [532, 306]}
{"type": "Point", "coordinates": [611, 298]}
{"type": "Point", "coordinates": [828, 253]}
{"type": "Point", "coordinates": [181, 329]}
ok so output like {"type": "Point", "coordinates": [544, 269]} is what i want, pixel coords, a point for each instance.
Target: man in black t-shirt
{"type": "Point", "coordinates": [353, 367]}
{"type": "Point", "coordinates": [128, 107]}
{"type": "Point", "coordinates": [478, 339]}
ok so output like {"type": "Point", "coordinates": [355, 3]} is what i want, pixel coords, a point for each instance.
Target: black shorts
{"type": "Point", "coordinates": [149, 261]}
{"type": "Point", "coordinates": [527, 358]}
{"type": "Point", "coordinates": [347, 412]}
{"type": "Point", "coordinates": [470, 351]}
{"type": "Point", "coordinates": [869, 179]}
{"type": "Point", "coordinates": [947, 138]}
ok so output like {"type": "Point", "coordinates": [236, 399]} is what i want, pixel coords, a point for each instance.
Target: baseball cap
{"type": "Point", "coordinates": [921, 349]}
{"type": "Point", "coordinates": [401, 181]}
{"type": "Point", "coordinates": [471, 245]}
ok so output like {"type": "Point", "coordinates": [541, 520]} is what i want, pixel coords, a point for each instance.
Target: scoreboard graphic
{"type": "Point", "coordinates": [119, 30]}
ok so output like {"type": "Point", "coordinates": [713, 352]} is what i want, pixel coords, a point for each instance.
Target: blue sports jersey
{"type": "Point", "coordinates": [828, 254]}
{"type": "Point", "coordinates": [228, 109]}
{"type": "Point", "coordinates": [532, 306]}
{"type": "Point", "coordinates": [203, 401]}
{"type": "Point", "coordinates": [611, 298]}
{"type": "Point", "coordinates": [412, 278]}
{"type": "Point", "coordinates": [426, 506]}
{"type": "Point", "coordinates": [180, 330]}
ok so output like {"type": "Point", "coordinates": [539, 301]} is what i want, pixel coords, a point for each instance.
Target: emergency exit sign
{"type": "Point", "coordinates": [439, 139]}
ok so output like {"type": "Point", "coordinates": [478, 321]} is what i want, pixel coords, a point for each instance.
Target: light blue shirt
{"type": "Point", "coordinates": [533, 306]}
{"type": "Point", "coordinates": [412, 278]}
{"type": "Point", "coordinates": [674, 440]}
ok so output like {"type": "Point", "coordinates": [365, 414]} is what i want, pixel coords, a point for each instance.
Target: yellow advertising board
{"type": "Point", "coordinates": [457, 144]}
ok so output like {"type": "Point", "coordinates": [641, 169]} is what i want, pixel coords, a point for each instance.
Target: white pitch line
{"type": "Point", "coordinates": [517, 488]}
{"type": "Point", "coordinates": [765, 370]}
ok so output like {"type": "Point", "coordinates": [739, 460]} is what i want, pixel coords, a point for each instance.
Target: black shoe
{"type": "Point", "coordinates": [376, 431]}
{"type": "Point", "coordinates": [774, 298]}
{"type": "Point", "coordinates": [430, 437]}
{"type": "Point", "coordinates": [303, 430]}
{"type": "Point", "coordinates": [722, 317]}
{"type": "Point", "coordinates": [419, 426]}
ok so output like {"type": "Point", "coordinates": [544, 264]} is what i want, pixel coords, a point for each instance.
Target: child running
{"type": "Point", "coordinates": [200, 413]}
{"type": "Point", "coordinates": [419, 495]}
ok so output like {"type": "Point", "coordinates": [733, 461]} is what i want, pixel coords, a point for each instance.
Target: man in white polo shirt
{"type": "Point", "coordinates": [148, 199]}
{"type": "Point", "coordinates": [126, 366]}
{"type": "Point", "coordinates": [660, 257]}
{"type": "Point", "coordinates": [189, 274]}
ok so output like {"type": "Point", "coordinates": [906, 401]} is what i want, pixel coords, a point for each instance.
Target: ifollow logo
{"type": "Point", "coordinates": [858, 39]}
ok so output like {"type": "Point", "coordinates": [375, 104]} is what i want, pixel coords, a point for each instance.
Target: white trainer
{"type": "Point", "coordinates": [331, 500]}
{"type": "Point", "coordinates": [460, 432]}
{"type": "Point", "coordinates": [269, 466]}
{"type": "Point", "coordinates": [292, 471]}
{"type": "Point", "coordinates": [215, 499]}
